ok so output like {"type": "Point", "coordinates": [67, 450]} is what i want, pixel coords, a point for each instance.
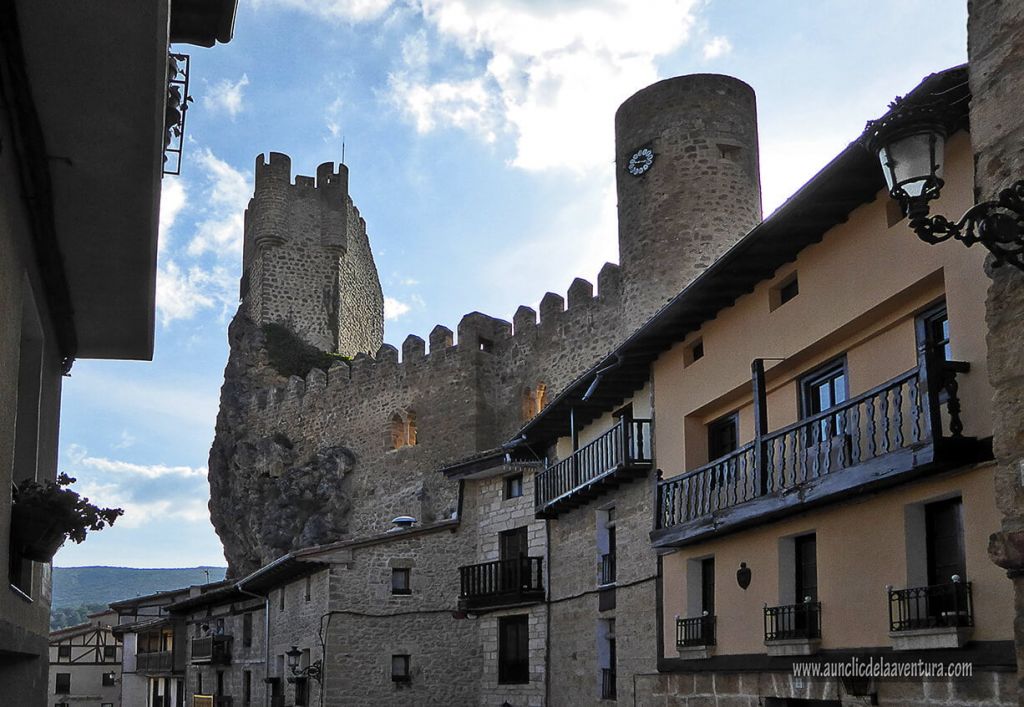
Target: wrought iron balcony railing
{"type": "Point", "coordinates": [502, 583]}
{"type": "Point", "coordinates": [626, 447]}
{"type": "Point", "coordinates": [695, 632]}
{"type": "Point", "coordinates": [793, 621]}
{"type": "Point", "coordinates": [608, 568]}
{"type": "Point", "coordinates": [887, 431]}
{"type": "Point", "coordinates": [214, 650]}
{"type": "Point", "coordinates": [938, 606]}
{"type": "Point", "coordinates": [608, 691]}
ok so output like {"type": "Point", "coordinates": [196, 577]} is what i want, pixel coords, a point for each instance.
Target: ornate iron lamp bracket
{"type": "Point", "coordinates": [998, 225]}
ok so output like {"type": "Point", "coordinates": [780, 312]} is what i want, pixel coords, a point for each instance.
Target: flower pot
{"type": "Point", "coordinates": [35, 533]}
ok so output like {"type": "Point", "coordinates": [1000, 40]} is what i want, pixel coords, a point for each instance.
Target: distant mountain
{"type": "Point", "coordinates": [76, 586]}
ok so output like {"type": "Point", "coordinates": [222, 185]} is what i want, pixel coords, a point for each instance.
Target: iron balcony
{"type": "Point", "coordinates": [619, 454]}
{"type": "Point", "coordinates": [938, 606]}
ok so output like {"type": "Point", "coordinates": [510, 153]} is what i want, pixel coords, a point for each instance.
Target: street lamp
{"type": "Point", "coordinates": [312, 670]}
{"type": "Point", "coordinates": [909, 142]}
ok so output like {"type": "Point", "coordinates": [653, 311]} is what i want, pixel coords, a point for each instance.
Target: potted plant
{"type": "Point", "coordinates": [45, 514]}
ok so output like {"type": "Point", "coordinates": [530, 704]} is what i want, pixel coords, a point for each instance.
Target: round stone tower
{"type": "Point", "coordinates": [688, 182]}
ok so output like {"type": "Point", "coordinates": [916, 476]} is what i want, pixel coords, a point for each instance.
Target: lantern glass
{"type": "Point", "coordinates": [293, 657]}
{"type": "Point", "coordinates": [912, 163]}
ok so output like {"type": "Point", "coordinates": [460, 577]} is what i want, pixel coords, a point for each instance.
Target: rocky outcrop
{"type": "Point", "coordinates": [266, 497]}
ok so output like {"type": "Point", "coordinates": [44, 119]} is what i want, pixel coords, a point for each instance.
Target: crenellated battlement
{"type": "Point", "coordinates": [274, 171]}
{"type": "Point", "coordinates": [480, 337]}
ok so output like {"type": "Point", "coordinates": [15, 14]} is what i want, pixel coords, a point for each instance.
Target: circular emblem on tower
{"type": "Point", "coordinates": [641, 161]}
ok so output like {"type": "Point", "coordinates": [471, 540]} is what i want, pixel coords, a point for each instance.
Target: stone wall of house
{"type": "Point", "coordinates": [227, 619]}
{"type": "Point", "coordinates": [486, 513]}
{"type": "Point", "coordinates": [996, 74]}
{"type": "Point", "coordinates": [368, 624]}
{"type": "Point", "coordinates": [575, 669]}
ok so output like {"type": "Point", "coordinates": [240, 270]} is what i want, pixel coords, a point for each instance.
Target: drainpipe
{"type": "Point", "coordinates": [266, 639]}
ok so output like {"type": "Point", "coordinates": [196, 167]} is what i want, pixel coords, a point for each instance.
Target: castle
{"type": "Point", "coordinates": [300, 461]}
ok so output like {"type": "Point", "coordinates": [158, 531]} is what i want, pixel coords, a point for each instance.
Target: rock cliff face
{"type": "Point", "coordinates": [267, 497]}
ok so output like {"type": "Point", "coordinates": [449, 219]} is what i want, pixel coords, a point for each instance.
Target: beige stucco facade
{"type": "Point", "coordinates": [863, 546]}
{"type": "Point", "coordinates": [859, 291]}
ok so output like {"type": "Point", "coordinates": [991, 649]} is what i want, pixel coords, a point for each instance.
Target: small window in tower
{"type": "Point", "coordinates": [534, 401]}
{"type": "Point", "coordinates": [783, 292]}
{"type": "Point", "coordinates": [486, 345]}
{"type": "Point", "coordinates": [401, 430]}
{"type": "Point", "coordinates": [693, 352]}
{"type": "Point", "coordinates": [729, 152]}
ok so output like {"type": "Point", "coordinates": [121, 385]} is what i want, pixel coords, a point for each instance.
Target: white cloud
{"type": "Point", "coordinates": [148, 471]}
{"type": "Point", "coordinates": [227, 193]}
{"type": "Point", "coordinates": [226, 96]}
{"type": "Point", "coordinates": [716, 47]}
{"type": "Point", "coordinates": [179, 294]}
{"type": "Point", "coordinates": [551, 68]}
{"type": "Point", "coordinates": [347, 10]}
{"type": "Point", "coordinates": [393, 308]}
{"type": "Point", "coordinates": [173, 198]}
{"type": "Point", "coordinates": [462, 104]}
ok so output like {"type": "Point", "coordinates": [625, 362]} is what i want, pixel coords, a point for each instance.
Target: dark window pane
{"type": "Point", "coordinates": [513, 649]}
{"type": "Point", "coordinates": [400, 581]}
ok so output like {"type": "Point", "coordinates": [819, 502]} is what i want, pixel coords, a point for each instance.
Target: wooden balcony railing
{"type": "Point", "coordinates": [159, 662]}
{"type": "Point", "coordinates": [625, 447]}
{"type": "Point", "coordinates": [883, 432]}
{"type": "Point", "coordinates": [938, 606]}
{"type": "Point", "coordinates": [793, 621]}
{"type": "Point", "coordinates": [502, 583]}
{"type": "Point", "coordinates": [214, 650]}
{"type": "Point", "coordinates": [694, 632]}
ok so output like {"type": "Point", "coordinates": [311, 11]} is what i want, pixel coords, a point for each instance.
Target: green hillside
{"type": "Point", "coordinates": [79, 590]}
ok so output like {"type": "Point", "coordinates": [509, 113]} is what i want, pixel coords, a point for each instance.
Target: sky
{"type": "Point", "coordinates": [479, 140]}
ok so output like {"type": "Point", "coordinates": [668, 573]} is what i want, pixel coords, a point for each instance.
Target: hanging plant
{"type": "Point", "coordinates": [45, 514]}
